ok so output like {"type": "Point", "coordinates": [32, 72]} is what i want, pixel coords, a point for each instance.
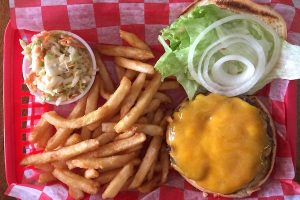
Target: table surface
{"type": "Point", "coordinates": [4, 16]}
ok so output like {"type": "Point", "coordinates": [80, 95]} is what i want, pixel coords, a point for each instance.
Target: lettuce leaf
{"type": "Point", "coordinates": [182, 33]}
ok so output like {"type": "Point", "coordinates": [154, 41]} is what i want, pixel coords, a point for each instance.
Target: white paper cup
{"type": "Point", "coordinates": [26, 71]}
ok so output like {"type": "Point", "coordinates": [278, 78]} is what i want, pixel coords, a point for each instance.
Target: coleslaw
{"type": "Point", "coordinates": [60, 66]}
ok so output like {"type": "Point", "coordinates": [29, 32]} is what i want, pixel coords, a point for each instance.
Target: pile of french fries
{"type": "Point", "coordinates": [118, 146]}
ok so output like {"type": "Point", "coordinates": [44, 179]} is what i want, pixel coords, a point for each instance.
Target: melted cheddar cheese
{"type": "Point", "coordinates": [218, 142]}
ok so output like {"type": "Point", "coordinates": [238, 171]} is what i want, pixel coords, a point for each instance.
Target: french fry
{"type": "Point", "coordinates": [158, 116]}
{"type": "Point", "coordinates": [134, 114]}
{"type": "Point", "coordinates": [117, 146]}
{"type": "Point", "coordinates": [97, 132]}
{"type": "Point", "coordinates": [108, 109]}
{"type": "Point", "coordinates": [60, 164]}
{"type": "Point", "coordinates": [91, 105]}
{"type": "Point", "coordinates": [105, 77]}
{"type": "Point", "coordinates": [169, 85]}
{"type": "Point", "coordinates": [133, 40]}
{"type": "Point", "coordinates": [150, 116]}
{"type": "Point", "coordinates": [61, 135]}
{"type": "Point", "coordinates": [76, 193]}
{"type": "Point", "coordinates": [45, 167]}
{"type": "Point", "coordinates": [124, 51]}
{"type": "Point", "coordinates": [143, 120]}
{"type": "Point", "coordinates": [134, 65]}
{"type": "Point", "coordinates": [61, 154]}
{"type": "Point", "coordinates": [165, 165]}
{"type": "Point", "coordinates": [107, 176]}
{"type": "Point", "coordinates": [164, 121]}
{"type": "Point", "coordinates": [118, 182]}
{"type": "Point", "coordinates": [151, 171]}
{"type": "Point", "coordinates": [42, 142]}
{"type": "Point", "coordinates": [115, 118]}
{"type": "Point", "coordinates": [46, 177]}
{"type": "Point", "coordinates": [125, 135]}
{"type": "Point", "coordinates": [73, 180]}
{"type": "Point", "coordinates": [102, 92]}
{"type": "Point", "coordinates": [38, 131]}
{"type": "Point", "coordinates": [104, 164]}
{"type": "Point", "coordinates": [149, 186]}
{"type": "Point", "coordinates": [162, 97]}
{"type": "Point", "coordinates": [120, 72]}
{"type": "Point", "coordinates": [130, 74]}
{"type": "Point", "coordinates": [73, 139]}
{"type": "Point", "coordinates": [149, 129]}
{"type": "Point", "coordinates": [148, 160]}
{"type": "Point", "coordinates": [91, 173]}
{"type": "Point", "coordinates": [133, 149]}
{"type": "Point", "coordinates": [104, 138]}
{"type": "Point", "coordinates": [133, 94]}
{"type": "Point", "coordinates": [153, 106]}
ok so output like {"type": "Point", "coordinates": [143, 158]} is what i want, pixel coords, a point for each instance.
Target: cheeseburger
{"type": "Point", "coordinates": [222, 145]}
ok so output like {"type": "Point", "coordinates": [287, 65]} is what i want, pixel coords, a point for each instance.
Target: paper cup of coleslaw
{"type": "Point", "coordinates": [59, 67]}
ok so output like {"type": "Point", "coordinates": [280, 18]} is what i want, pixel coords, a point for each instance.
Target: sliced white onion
{"type": "Point", "coordinates": [223, 78]}
{"type": "Point", "coordinates": [213, 76]}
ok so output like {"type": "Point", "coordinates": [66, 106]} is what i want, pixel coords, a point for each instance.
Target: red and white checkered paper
{"type": "Point", "coordinates": [98, 21]}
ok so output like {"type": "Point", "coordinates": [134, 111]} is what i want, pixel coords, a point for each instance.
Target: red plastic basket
{"type": "Point", "coordinates": [16, 98]}
{"type": "Point", "coordinates": [16, 106]}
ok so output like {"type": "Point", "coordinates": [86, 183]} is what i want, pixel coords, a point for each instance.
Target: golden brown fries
{"type": "Point", "coordinates": [107, 83]}
{"type": "Point", "coordinates": [91, 173]}
{"type": "Point", "coordinates": [118, 146]}
{"type": "Point", "coordinates": [45, 167]}
{"type": "Point", "coordinates": [133, 40]}
{"type": "Point", "coordinates": [97, 132]}
{"type": "Point", "coordinates": [124, 51]}
{"type": "Point", "coordinates": [61, 164]}
{"type": "Point", "coordinates": [148, 160]}
{"type": "Point", "coordinates": [61, 154]}
{"type": "Point", "coordinates": [107, 176]}
{"type": "Point", "coordinates": [143, 120]}
{"type": "Point", "coordinates": [73, 180]}
{"type": "Point", "coordinates": [118, 182]}
{"type": "Point", "coordinates": [76, 193]}
{"type": "Point", "coordinates": [61, 135]}
{"type": "Point", "coordinates": [134, 65]}
{"type": "Point", "coordinates": [73, 139]}
{"type": "Point", "coordinates": [130, 74]}
{"type": "Point", "coordinates": [107, 110]}
{"type": "Point", "coordinates": [91, 105]}
{"type": "Point", "coordinates": [126, 134]}
{"type": "Point", "coordinates": [104, 94]}
{"type": "Point", "coordinates": [104, 164]}
{"type": "Point", "coordinates": [149, 186]}
{"type": "Point", "coordinates": [165, 164]}
{"type": "Point", "coordinates": [133, 94]}
{"type": "Point", "coordinates": [169, 85]}
{"type": "Point", "coordinates": [120, 72]}
{"type": "Point", "coordinates": [132, 116]}
{"type": "Point", "coordinates": [133, 149]}
{"type": "Point", "coordinates": [158, 116]}
{"type": "Point", "coordinates": [128, 150]}
{"type": "Point", "coordinates": [162, 97]}
{"type": "Point", "coordinates": [153, 106]}
{"type": "Point", "coordinates": [149, 129]}
{"type": "Point", "coordinates": [46, 177]}
{"type": "Point", "coordinates": [38, 131]}
{"type": "Point", "coordinates": [42, 143]}
{"type": "Point", "coordinates": [105, 138]}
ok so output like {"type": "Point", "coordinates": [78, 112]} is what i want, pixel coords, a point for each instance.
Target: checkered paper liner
{"type": "Point", "coordinates": [99, 21]}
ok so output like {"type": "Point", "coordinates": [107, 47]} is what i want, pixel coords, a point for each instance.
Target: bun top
{"type": "Point", "coordinates": [264, 12]}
